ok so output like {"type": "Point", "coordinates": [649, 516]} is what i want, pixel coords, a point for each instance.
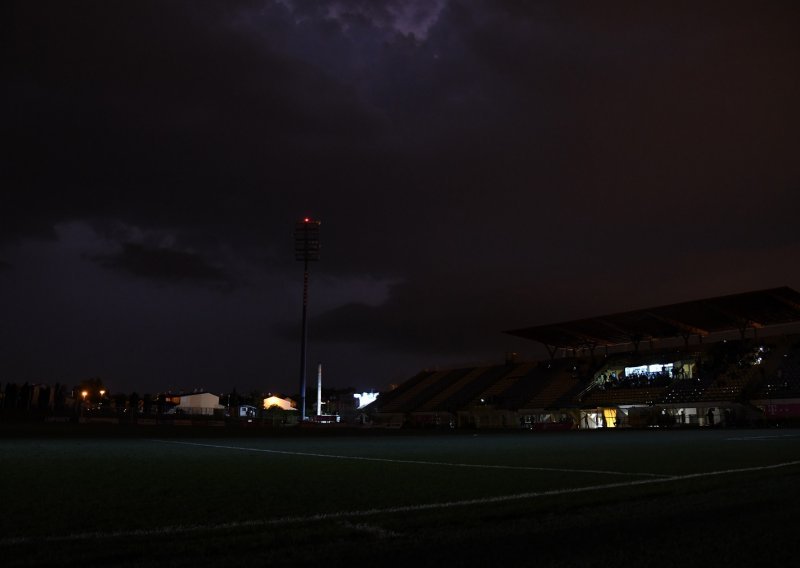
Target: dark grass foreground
{"type": "Point", "coordinates": [141, 502]}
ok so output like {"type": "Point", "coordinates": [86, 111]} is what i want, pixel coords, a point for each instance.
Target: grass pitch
{"type": "Point", "coordinates": [649, 498]}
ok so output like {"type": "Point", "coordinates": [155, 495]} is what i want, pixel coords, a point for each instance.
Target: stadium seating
{"type": "Point", "coordinates": [611, 397]}
{"type": "Point", "coordinates": [784, 382]}
{"type": "Point", "coordinates": [439, 401]}
{"type": "Point", "coordinates": [685, 390]}
{"type": "Point", "coordinates": [400, 402]}
{"type": "Point", "coordinates": [560, 383]}
{"type": "Point", "coordinates": [389, 396]}
{"type": "Point", "coordinates": [472, 391]}
{"type": "Point", "coordinates": [732, 372]}
{"type": "Point", "coordinates": [729, 386]}
{"type": "Point", "coordinates": [527, 386]}
{"type": "Point", "coordinates": [505, 382]}
{"type": "Point", "coordinates": [451, 377]}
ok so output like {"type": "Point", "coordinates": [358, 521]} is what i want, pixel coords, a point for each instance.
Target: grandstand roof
{"type": "Point", "coordinates": [756, 309]}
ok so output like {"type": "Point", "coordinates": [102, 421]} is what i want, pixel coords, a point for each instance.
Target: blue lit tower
{"type": "Point", "coordinates": [306, 248]}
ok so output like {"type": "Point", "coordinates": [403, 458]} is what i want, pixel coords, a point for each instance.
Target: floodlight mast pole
{"type": "Point", "coordinates": [304, 344]}
{"type": "Point", "coordinates": [306, 248]}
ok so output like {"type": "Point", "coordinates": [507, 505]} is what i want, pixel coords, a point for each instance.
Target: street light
{"type": "Point", "coordinates": [306, 248]}
{"type": "Point", "coordinates": [84, 394]}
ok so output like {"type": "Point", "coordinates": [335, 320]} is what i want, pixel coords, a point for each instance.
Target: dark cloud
{"type": "Point", "coordinates": [119, 115]}
{"type": "Point", "coordinates": [162, 264]}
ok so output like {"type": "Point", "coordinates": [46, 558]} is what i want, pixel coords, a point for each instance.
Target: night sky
{"type": "Point", "coordinates": [477, 166]}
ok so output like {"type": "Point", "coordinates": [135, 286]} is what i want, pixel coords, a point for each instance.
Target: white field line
{"type": "Point", "coordinates": [759, 438]}
{"type": "Point", "coordinates": [416, 462]}
{"type": "Point", "coordinates": [374, 530]}
{"type": "Point", "coordinates": [183, 529]}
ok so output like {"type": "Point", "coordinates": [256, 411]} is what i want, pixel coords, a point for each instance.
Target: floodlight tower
{"type": "Point", "coordinates": [306, 248]}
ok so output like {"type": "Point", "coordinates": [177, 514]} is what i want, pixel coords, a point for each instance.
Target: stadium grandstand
{"type": "Point", "coordinates": [724, 361]}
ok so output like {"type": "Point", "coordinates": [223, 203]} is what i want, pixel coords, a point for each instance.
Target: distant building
{"type": "Point", "coordinates": [365, 398]}
{"type": "Point", "coordinates": [247, 411]}
{"type": "Point", "coordinates": [282, 403]}
{"type": "Point", "coordinates": [198, 403]}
